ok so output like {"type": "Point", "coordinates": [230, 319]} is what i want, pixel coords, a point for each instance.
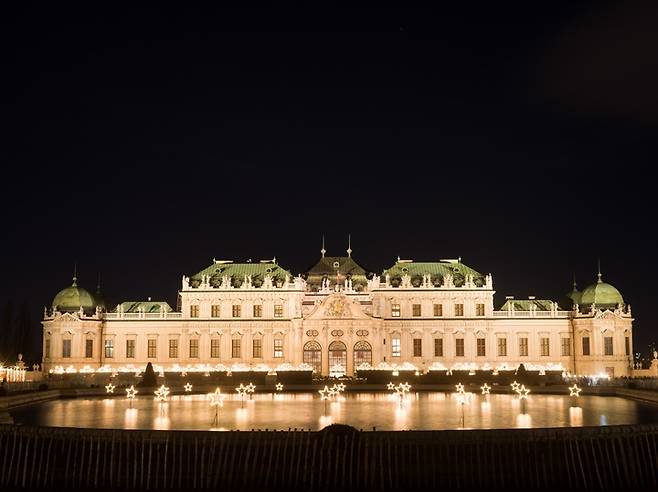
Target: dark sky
{"type": "Point", "coordinates": [144, 142]}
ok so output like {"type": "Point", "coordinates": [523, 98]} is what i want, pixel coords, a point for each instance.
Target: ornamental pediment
{"type": "Point", "coordinates": [66, 317]}
{"type": "Point", "coordinates": [338, 306]}
{"type": "Point", "coordinates": [607, 314]}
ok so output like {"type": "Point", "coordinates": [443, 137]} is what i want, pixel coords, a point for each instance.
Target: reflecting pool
{"type": "Point", "coordinates": [363, 410]}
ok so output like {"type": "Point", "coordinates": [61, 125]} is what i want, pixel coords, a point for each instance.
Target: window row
{"type": "Point", "coordinates": [236, 311]}
{"type": "Point", "coordinates": [501, 347]}
{"type": "Point", "coordinates": [152, 348]}
{"type": "Point", "coordinates": [417, 310]}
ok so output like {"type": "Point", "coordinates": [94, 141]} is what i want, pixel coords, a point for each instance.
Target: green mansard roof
{"type": "Point", "coordinates": [330, 266]}
{"type": "Point", "coordinates": [524, 304]}
{"type": "Point", "coordinates": [436, 269]}
{"type": "Point", "coordinates": [146, 306]}
{"type": "Point", "coordinates": [237, 272]}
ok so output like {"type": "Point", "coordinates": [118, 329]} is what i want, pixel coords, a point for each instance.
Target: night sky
{"type": "Point", "coordinates": [143, 143]}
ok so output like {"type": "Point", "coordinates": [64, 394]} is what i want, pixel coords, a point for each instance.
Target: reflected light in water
{"type": "Point", "coordinates": [130, 418]}
{"type": "Point", "coordinates": [325, 420]}
{"type": "Point", "coordinates": [575, 416]}
{"type": "Point", "coordinates": [362, 410]}
{"type": "Point", "coordinates": [162, 423]}
{"type": "Point", "coordinates": [524, 421]}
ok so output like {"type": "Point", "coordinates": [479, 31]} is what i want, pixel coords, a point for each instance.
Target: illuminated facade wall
{"type": "Point", "coordinates": [336, 326]}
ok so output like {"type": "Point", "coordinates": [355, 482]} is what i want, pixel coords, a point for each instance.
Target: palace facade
{"type": "Point", "coordinates": [337, 318]}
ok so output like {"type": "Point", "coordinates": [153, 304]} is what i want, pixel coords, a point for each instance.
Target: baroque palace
{"type": "Point", "coordinates": [337, 318]}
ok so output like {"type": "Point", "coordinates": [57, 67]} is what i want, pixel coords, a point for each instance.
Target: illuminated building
{"type": "Point", "coordinates": [337, 317]}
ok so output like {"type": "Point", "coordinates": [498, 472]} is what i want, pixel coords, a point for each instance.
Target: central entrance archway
{"type": "Point", "coordinates": [337, 358]}
{"type": "Point", "coordinates": [313, 356]}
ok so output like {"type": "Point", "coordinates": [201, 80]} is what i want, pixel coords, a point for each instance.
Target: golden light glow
{"type": "Point", "coordinates": [131, 392]}
{"type": "Point", "coordinates": [574, 390]}
{"type": "Point", "coordinates": [110, 388]}
{"type": "Point", "coordinates": [161, 394]}
{"type": "Point", "coordinates": [485, 389]}
{"type": "Point", "coordinates": [187, 387]}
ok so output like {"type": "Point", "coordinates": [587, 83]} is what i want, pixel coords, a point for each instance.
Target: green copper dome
{"type": "Point", "coordinates": [569, 300]}
{"type": "Point", "coordinates": [71, 298]}
{"type": "Point", "coordinates": [601, 294]}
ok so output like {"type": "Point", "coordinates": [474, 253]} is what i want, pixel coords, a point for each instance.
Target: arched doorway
{"type": "Point", "coordinates": [313, 356]}
{"type": "Point", "coordinates": [337, 358]}
{"type": "Point", "coordinates": [362, 353]}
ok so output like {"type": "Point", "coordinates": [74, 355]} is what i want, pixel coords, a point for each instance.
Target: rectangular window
{"type": "Point", "coordinates": [152, 348]}
{"type": "Point", "coordinates": [438, 309]}
{"type": "Point", "coordinates": [257, 348]}
{"type": "Point", "coordinates": [89, 348]}
{"type": "Point", "coordinates": [585, 345]}
{"type": "Point", "coordinates": [130, 349]}
{"type": "Point", "coordinates": [459, 310]}
{"type": "Point", "coordinates": [47, 349]}
{"type": "Point", "coordinates": [481, 347]}
{"type": "Point", "coordinates": [415, 309]}
{"type": "Point", "coordinates": [235, 348]}
{"type": "Point", "coordinates": [523, 347]}
{"type": "Point", "coordinates": [278, 310]}
{"type": "Point", "coordinates": [607, 345]}
{"type": "Point", "coordinates": [544, 346]}
{"type": "Point", "coordinates": [215, 310]}
{"type": "Point", "coordinates": [194, 311]}
{"type": "Point", "coordinates": [502, 347]}
{"type": "Point", "coordinates": [395, 310]}
{"type": "Point", "coordinates": [173, 349]}
{"type": "Point", "coordinates": [214, 348]}
{"type": "Point", "coordinates": [418, 347]}
{"type": "Point", "coordinates": [627, 345]}
{"type": "Point", "coordinates": [109, 349]}
{"type": "Point", "coordinates": [479, 309]}
{"type": "Point", "coordinates": [278, 347]}
{"type": "Point", "coordinates": [66, 348]}
{"type": "Point", "coordinates": [258, 310]}
{"type": "Point", "coordinates": [566, 346]}
{"type": "Point", "coordinates": [459, 347]}
{"type": "Point", "coordinates": [194, 348]}
{"type": "Point", "coordinates": [395, 347]}
{"type": "Point", "coordinates": [236, 310]}
{"type": "Point", "coordinates": [438, 347]}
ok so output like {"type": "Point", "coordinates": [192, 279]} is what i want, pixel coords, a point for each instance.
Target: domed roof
{"type": "Point", "coordinates": [70, 299]}
{"type": "Point", "coordinates": [602, 295]}
{"type": "Point", "coordinates": [574, 297]}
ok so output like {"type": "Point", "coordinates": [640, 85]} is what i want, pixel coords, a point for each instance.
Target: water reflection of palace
{"type": "Point", "coordinates": [337, 317]}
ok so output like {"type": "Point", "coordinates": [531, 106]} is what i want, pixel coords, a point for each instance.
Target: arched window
{"type": "Point", "coordinates": [362, 353]}
{"type": "Point", "coordinates": [313, 355]}
{"type": "Point", "coordinates": [337, 356]}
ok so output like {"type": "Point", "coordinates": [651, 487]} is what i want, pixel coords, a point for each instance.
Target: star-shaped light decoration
{"type": "Point", "coordinates": [341, 386]}
{"type": "Point", "coordinates": [390, 386]}
{"type": "Point", "coordinates": [187, 387]}
{"type": "Point", "coordinates": [332, 390]}
{"type": "Point", "coordinates": [574, 390]}
{"type": "Point", "coordinates": [161, 394]}
{"type": "Point", "coordinates": [183, 373]}
{"type": "Point", "coordinates": [325, 393]}
{"type": "Point", "coordinates": [131, 392]}
{"type": "Point", "coordinates": [405, 387]}
{"type": "Point", "coordinates": [279, 386]}
{"type": "Point", "coordinates": [242, 389]}
{"type": "Point", "coordinates": [110, 388]}
{"type": "Point", "coordinates": [523, 392]}
{"type": "Point", "coordinates": [460, 388]}
{"type": "Point", "coordinates": [485, 389]}
{"type": "Point", "coordinates": [515, 386]}
{"type": "Point", "coordinates": [251, 387]}
{"type": "Point", "coordinates": [216, 398]}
